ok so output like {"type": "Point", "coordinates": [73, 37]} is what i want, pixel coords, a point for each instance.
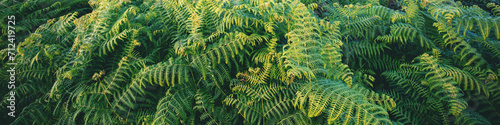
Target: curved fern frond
{"type": "Point", "coordinates": [466, 50]}
{"type": "Point", "coordinates": [465, 79]}
{"type": "Point", "coordinates": [255, 76]}
{"type": "Point", "coordinates": [302, 52]}
{"type": "Point", "coordinates": [338, 101]}
{"type": "Point", "coordinates": [444, 85]}
{"type": "Point", "coordinates": [495, 9]}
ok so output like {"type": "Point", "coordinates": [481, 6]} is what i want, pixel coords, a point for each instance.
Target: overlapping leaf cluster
{"type": "Point", "coordinates": [255, 62]}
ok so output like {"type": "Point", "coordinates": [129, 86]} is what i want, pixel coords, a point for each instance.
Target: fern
{"type": "Point", "coordinates": [465, 79]}
{"type": "Point", "coordinates": [175, 107]}
{"type": "Point", "coordinates": [252, 62]}
{"type": "Point", "coordinates": [339, 101]}
{"type": "Point", "coordinates": [437, 78]}
{"type": "Point", "coordinates": [466, 51]}
{"type": "Point", "coordinates": [408, 80]}
{"type": "Point", "coordinates": [404, 33]}
{"type": "Point", "coordinates": [495, 8]}
{"type": "Point", "coordinates": [303, 51]}
{"type": "Point", "coordinates": [175, 71]}
{"type": "Point", "coordinates": [380, 99]}
{"type": "Point", "coordinates": [367, 49]}
{"type": "Point", "coordinates": [470, 117]}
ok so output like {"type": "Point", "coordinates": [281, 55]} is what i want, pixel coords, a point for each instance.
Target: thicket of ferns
{"type": "Point", "coordinates": [253, 62]}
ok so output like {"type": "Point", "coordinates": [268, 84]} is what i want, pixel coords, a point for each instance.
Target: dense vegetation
{"type": "Point", "coordinates": [253, 61]}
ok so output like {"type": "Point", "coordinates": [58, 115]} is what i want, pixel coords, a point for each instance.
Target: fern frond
{"type": "Point", "coordinates": [32, 113]}
{"type": "Point", "coordinates": [259, 92]}
{"type": "Point", "coordinates": [255, 76]}
{"type": "Point", "coordinates": [246, 107]}
{"type": "Point", "coordinates": [471, 118]}
{"type": "Point", "coordinates": [109, 45]}
{"type": "Point", "coordinates": [135, 88]}
{"type": "Point", "coordinates": [175, 71]}
{"type": "Point", "coordinates": [357, 26]}
{"type": "Point", "coordinates": [382, 100]}
{"type": "Point", "coordinates": [437, 79]}
{"type": "Point", "coordinates": [226, 49]}
{"type": "Point", "coordinates": [405, 116]}
{"type": "Point", "coordinates": [367, 49]}
{"type": "Point", "coordinates": [484, 26]}
{"type": "Point", "coordinates": [465, 79]}
{"type": "Point", "coordinates": [175, 107]}
{"type": "Point", "coordinates": [339, 103]}
{"type": "Point", "coordinates": [297, 118]}
{"type": "Point", "coordinates": [495, 9]}
{"type": "Point", "coordinates": [342, 72]}
{"type": "Point", "coordinates": [445, 12]}
{"type": "Point", "coordinates": [303, 49]}
{"type": "Point", "coordinates": [408, 110]}
{"type": "Point", "coordinates": [408, 80]}
{"type": "Point", "coordinates": [405, 32]}
{"type": "Point", "coordinates": [466, 50]}
{"type": "Point", "coordinates": [384, 63]}
{"type": "Point", "coordinates": [383, 12]}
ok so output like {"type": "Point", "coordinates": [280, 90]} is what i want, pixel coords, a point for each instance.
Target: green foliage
{"type": "Point", "coordinates": [253, 62]}
{"type": "Point", "coordinates": [340, 103]}
{"type": "Point", "coordinates": [443, 86]}
{"type": "Point", "coordinates": [470, 117]}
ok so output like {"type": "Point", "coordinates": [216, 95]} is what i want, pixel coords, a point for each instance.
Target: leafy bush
{"type": "Point", "coordinates": [253, 62]}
